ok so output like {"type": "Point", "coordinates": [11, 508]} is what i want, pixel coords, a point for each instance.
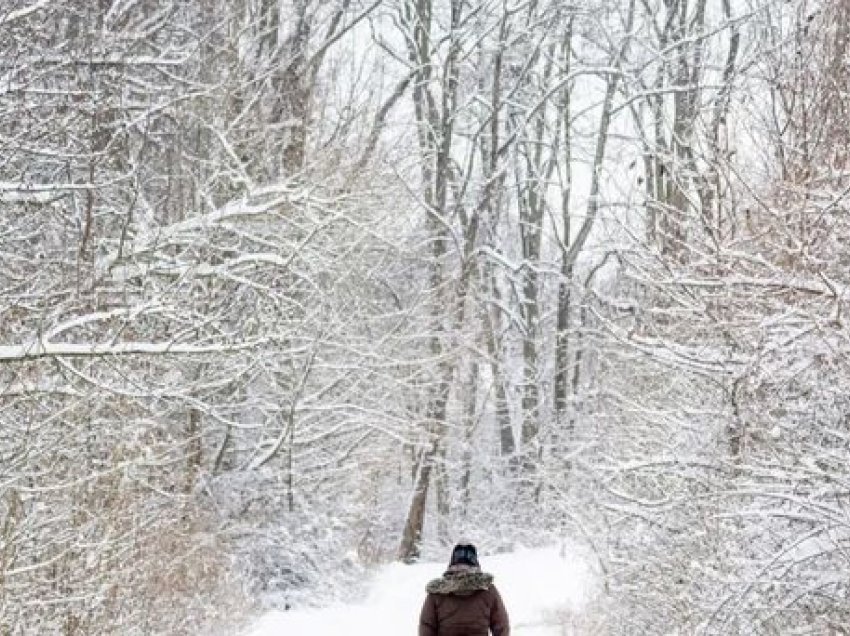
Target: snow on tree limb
{"type": "Point", "coordinates": [17, 14]}
{"type": "Point", "coordinates": [42, 349]}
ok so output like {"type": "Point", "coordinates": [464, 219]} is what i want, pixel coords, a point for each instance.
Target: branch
{"type": "Point", "coordinates": [45, 349]}
{"type": "Point", "coordinates": [22, 13]}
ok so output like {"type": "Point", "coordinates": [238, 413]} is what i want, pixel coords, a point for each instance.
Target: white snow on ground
{"type": "Point", "coordinates": [538, 587]}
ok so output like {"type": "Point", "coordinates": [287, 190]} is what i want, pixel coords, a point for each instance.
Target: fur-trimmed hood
{"type": "Point", "coordinates": [461, 583]}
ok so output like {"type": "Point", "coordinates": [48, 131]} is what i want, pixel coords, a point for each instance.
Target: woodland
{"type": "Point", "coordinates": [291, 288]}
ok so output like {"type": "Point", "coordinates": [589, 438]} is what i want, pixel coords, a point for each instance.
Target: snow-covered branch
{"type": "Point", "coordinates": [43, 349]}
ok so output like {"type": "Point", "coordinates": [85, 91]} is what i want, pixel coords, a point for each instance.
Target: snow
{"type": "Point", "coordinates": [22, 13]}
{"type": "Point", "coordinates": [42, 349]}
{"type": "Point", "coordinates": [541, 588]}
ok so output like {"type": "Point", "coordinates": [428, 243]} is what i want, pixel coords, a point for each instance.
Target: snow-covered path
{"type": "Point", "coordinates": [541, 588]}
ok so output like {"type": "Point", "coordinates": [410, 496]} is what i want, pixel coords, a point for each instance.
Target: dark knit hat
{"type": "Point", "coordinates": [464, 553]}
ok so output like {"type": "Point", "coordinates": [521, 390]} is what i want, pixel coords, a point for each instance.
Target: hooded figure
{"type": "Point", "coordinates": [464, 601]}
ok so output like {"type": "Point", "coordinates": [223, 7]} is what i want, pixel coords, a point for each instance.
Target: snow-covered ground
{"type": "Point", "coordinates": [543, 589]}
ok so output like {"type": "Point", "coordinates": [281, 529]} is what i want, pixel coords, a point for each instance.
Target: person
{"type": "Point", "coordinates": [464, 601]}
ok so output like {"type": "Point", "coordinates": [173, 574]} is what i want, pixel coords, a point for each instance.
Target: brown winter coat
{"type": "Point", "coordinates": [463, 604]}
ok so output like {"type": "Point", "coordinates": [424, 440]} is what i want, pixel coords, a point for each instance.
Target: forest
{"type": "Point", "coordinates": [292, 288]}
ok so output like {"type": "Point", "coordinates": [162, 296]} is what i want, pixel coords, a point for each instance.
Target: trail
{"type": "Point", "coordinates": [543, 590]}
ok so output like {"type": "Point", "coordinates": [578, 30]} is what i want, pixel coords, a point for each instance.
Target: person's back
{"type": "Point", "coordinates": [464, 601]}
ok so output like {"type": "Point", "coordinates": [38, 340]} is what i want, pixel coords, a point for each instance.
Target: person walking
{"type": "Point", "coordinates": [464, 601]}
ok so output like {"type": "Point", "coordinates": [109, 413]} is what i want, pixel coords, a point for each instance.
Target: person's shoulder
{"type": "Point", "coordinates": [493, 590]}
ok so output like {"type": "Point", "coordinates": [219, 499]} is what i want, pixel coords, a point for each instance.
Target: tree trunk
{"type": "Point", "coordinates": [411, 538]}
{"type": "Point", "coordinates": [194, 455]}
